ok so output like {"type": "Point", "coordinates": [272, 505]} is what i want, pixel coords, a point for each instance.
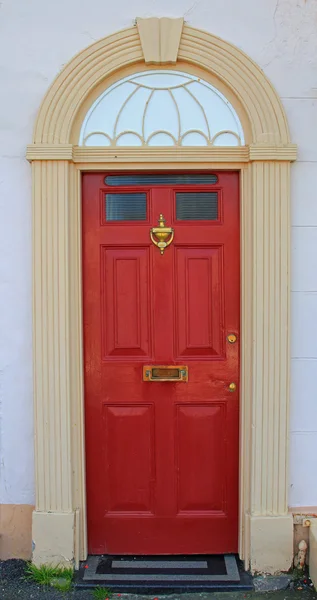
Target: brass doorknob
{"type": "Point", "coordinates": [232, 338]}
{"type": "Point", "coordinates": [232, 387]}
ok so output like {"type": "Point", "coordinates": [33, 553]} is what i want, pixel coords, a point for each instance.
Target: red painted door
{"type": "Point", "coordinates": [162, 457]}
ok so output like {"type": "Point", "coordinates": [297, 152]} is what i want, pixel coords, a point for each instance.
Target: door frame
{"type": "Point", "coordinates": [59, 519]}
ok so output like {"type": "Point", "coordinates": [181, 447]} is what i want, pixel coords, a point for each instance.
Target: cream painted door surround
{"type": "Point", "coordinates": [59, 524]}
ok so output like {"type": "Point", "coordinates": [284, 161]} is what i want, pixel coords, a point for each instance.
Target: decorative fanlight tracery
{"type": "Point", "coordinates": [161, 108]}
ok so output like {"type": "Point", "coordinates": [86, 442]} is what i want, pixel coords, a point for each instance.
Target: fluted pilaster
{"type": "Point", "coordinates": [51, 336]}
{"type": "Point", "coordinates": [271, 274]}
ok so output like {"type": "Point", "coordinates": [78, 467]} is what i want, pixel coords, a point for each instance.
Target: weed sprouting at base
{"type": "Point", "coordinates": [101, 593]}
{"type": "Point", "coordinates": [55, 576]}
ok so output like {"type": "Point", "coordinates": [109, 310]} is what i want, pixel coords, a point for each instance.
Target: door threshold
{"type": "Point", "coordinates": [164, 574]}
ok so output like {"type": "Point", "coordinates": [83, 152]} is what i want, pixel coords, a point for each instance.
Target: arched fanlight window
{"type": "Point", "coordinates": [161, 108]}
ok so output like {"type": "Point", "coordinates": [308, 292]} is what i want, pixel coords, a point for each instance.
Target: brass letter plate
{"type": "Point", "coordinates": [165, 373]}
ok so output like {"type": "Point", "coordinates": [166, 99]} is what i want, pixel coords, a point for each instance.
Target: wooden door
{"type": "Point", "coordinates": [162, 457]}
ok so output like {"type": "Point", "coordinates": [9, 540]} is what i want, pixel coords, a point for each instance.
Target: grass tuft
{"type": "Point", "coordinates": [48, 575]}
{"type": "Point", "coordinates": [62, 584]}
{"type": "Point", "coordinates": [101, 593]}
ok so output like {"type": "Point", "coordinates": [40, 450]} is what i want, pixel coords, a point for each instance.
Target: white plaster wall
{"type": "Point", "coordinates": [36, 39]}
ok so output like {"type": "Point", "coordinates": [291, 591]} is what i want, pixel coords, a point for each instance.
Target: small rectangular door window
{"type": "Point", "coordinates": [197, 206]}
{"type": "Point", "coordinates": [125, 207]}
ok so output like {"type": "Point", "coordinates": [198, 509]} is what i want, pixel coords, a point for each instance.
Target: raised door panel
{"type": "Point", "coordinates": [128, 449]}
{"type": "Point", "coordinates": [199, 306]}
{"type": "Point", "coordinates": [126, 328]}
{"type": "Point", "coordinates": [201, 457]}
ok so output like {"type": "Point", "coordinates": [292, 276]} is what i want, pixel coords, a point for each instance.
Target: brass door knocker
{"type": "Point", "coordinates": [161, 233]}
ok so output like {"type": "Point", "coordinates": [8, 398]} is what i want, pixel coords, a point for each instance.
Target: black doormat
{"type": "Point", "coordinates": [164, 574]}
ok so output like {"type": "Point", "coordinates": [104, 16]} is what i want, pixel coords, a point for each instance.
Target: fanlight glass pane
{"type": "Point", "coordinates": [197, 206]}
{"type": "Point", "coordinates": [161, 139]}
{"type": "Point", "coordinates": [161, 79]}
{"type": "Point", "coordinates": [192, 113]}
{"type": "Point", "coordinates": [194, 138]}
{"type": "Point", "coordinates": [161, 179]}
{"type": "Point", "coordinates": [161, 108]}
{"type": "Point", "coordinates": [226, 139]}
{"type": "Point", "coordinates": [132, 111]}
{"type": "Point", "coordinates": [98, 139]}
{"type": "Point", "coordinates": [106, 109]}
{"type": "Point", "coordinates": [161, 115]}
{"type": "Point", "coordinates": [125, 207]}
{"type": "Point", "coordinates": [128, 139]}
{"type": "Point", "coordinates": [216, 108]}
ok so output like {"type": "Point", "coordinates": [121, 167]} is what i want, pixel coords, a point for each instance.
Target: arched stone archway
{"type": "Point", "coordinates": [59, 524]}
